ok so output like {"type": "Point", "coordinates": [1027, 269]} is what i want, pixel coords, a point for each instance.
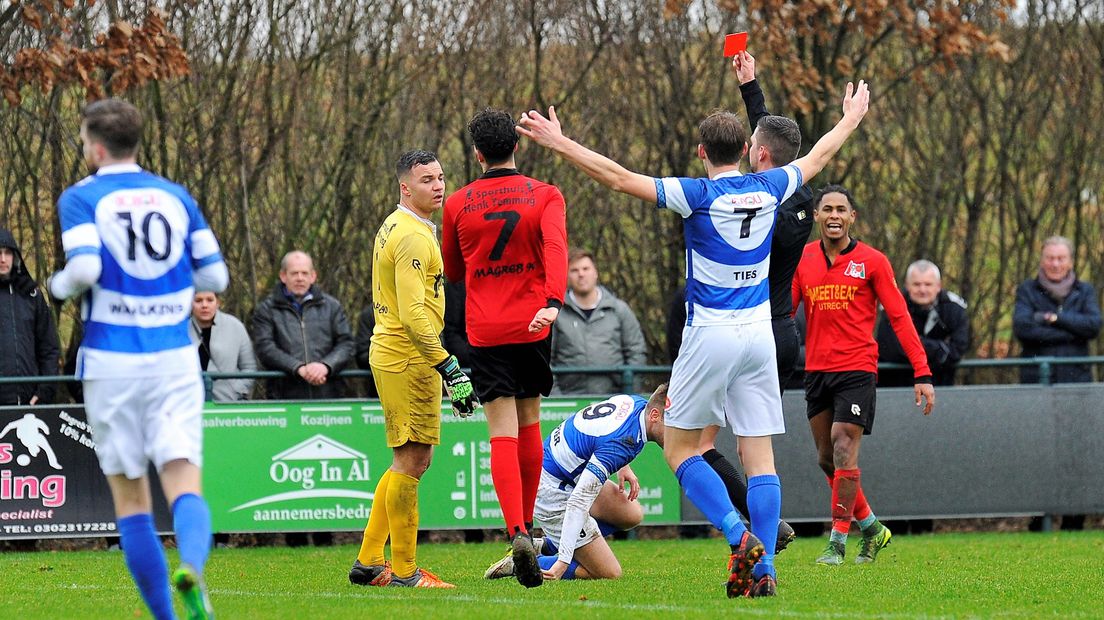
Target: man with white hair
{"type": "Point", "coordinates": [941, 321]}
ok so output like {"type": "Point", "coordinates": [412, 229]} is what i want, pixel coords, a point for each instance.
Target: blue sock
{"type": "Point", "coordinates": [606, 528]}
{"type": "Point", "coordinates": [570, 572]}
{"type": "Point", "coordinates": [706, 490]}
{"type": "Point", "coordinates": [865, 524]}
{"type": "Point", "coordinates": [764, 498]}
{"type": "Point", "coordinates": [145, 559]}
{"type": "Point", "coordinates": [546, 562]}
{"type": "Point", "coordinates": [192, 523]}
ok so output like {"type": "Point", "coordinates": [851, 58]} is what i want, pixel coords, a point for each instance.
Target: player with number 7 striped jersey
{"type": "Point", "coordinates": [728, 224]}
{"type": "Point", "coordinates": [155, 249]}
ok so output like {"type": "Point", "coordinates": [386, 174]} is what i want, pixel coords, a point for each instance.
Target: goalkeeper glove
{"type": "Point", "coordinates": [458, 386]}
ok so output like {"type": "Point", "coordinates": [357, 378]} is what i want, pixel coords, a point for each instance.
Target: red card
{"type": "Point", "coordinates": [735, 43]}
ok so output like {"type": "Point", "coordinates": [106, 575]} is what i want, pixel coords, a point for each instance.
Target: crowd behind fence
{"type": "Point", "coordinates": [631, 377]}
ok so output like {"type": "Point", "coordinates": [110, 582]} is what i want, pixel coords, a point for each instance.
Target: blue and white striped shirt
{"type": "Point", "coordinates": [728, 224]}
{"type": "Point", "coordinates": [151, 238]}
{"type": "Point", "coordinates": [602, 438]}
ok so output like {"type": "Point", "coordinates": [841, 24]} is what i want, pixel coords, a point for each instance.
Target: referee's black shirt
{"type": "Point", "coordinates": [793, 222]}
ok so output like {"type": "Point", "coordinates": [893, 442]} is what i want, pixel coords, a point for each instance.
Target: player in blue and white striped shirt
{"type": "Point", "coordinates": [137, 249]}
{"type": "Point", "coordinates": [577, 503]}
{"type": "Point", "coordinates": [726, 371]}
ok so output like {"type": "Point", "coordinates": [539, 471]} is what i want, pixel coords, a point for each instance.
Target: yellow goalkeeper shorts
{"type": "Point", "coordinates": [411, 402]}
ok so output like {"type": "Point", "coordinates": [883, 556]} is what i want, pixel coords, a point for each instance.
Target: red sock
{"type": "Point", "coordinates": [862, 508]}
{"type": "Point", "coordinates": [845, 487]}
{"type": "Point", "coordinates": [506, 474]}
{"type": "Point", "coordinates": [530, 459]}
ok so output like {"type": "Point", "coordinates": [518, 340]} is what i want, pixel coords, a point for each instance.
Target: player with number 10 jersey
{"type": "Point", "coordinates": [136, 250]}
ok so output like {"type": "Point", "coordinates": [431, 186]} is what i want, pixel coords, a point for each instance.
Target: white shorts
{"type": "Point", "coordinates": [727, 374]}
{"type": "Point", "coordinates": [549, 512]}
{"type": "Point", "coordinates": [135, 421]}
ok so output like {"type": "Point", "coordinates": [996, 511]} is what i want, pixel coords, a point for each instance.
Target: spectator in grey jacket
{"type": "Point", "coordinates": [594, 328]}
{"type": "Point", "coordinates": [304, 332]}
{"type": "Point", "coordinates": [224, 346]}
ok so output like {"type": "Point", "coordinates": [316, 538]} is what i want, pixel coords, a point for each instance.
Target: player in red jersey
{"type": "Point", "coordinates": [505, 234]}
{"type": "Point", "coordinates": [842, 281]}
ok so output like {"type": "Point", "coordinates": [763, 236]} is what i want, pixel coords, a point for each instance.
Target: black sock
{"type": "Point", "coordinates": [733, 481]}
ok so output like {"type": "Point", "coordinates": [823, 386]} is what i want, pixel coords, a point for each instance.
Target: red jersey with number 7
{"type": "Point", "coordinates": [505, 235]}
{"type": "Point", "coordinates": [841, 303]}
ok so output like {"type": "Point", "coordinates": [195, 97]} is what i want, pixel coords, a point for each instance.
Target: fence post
{"type": "Point", "coordinates": [208, 387]}
{"type": "Point", "coordinates": [1044, 371]}
{"type": "Point", "coordinates": [627, 380]}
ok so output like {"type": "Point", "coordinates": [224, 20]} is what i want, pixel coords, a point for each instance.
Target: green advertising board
{"type": "Point", "coordinates": [313, 466]}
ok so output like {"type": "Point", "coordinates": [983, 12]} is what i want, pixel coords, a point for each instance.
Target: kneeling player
{"type": "Point", "coordinates": [577, 505]}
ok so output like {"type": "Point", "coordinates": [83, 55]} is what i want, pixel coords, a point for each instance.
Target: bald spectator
{"type": "Point", "coordinates": [1056, 315]}
{"type": "Point", "coordinates": [940, 319]}
{"type": "Point", "coordinates": [304, 332]}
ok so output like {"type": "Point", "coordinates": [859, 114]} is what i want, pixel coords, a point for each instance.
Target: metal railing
{"type": "Point", "coordinates": [629, 374]}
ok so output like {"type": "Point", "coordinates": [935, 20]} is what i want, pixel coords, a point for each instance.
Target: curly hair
{"type": "Point", "coordinates": [833, 188]}
{"type": "Point", "coordinates": [492, 132]}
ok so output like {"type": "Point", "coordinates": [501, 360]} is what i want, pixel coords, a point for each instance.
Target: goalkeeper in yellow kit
{"type": "Point", "coordinates": [406, 358]}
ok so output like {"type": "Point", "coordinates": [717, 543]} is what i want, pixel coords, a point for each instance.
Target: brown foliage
{"type": "Point", "coordinates": [117, 60]}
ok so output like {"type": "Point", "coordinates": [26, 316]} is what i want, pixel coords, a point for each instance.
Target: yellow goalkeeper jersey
{"type": "Point", "coordinates": [408, 293]}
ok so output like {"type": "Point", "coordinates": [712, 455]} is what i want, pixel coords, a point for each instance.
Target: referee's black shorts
{"type": "Point", "coordinates": [512, 370]}
{"type": "Point", "coordinates": [787, 345]}
{"type": "Point", "coordinates": [849, 395]}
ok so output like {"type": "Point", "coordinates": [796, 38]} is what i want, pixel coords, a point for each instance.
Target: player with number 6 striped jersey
{"type": "Point", "coordinates": [577, 503]}
{"type": "Point", "coordinates": [601, 438]}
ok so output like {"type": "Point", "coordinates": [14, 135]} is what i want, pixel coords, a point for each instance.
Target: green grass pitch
{"type": "Point", "coordinates": [946, 575]}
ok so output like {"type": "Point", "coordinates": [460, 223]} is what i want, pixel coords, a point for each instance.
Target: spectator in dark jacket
{"type": "Point", "coordinates": [366, 324]}
{"type": "Point", "coordinates": [28, 341]}
{"type": "Point", "coordinates": [940, 319]}
{"type": "Point", "coordinates": [455, 334]}
{"type": "Point", "coordinates": [304, 332]}
{"type": "Point", "coordinates": [594, 328]}
{"type": "Point", "coordinates": [1056, 315]}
